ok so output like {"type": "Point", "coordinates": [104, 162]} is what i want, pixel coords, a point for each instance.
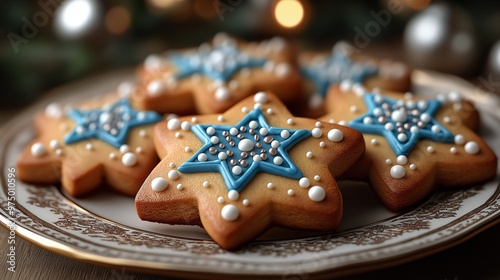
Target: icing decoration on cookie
{"type": "Point", "coordinates": [402, 123]}
{"type": "Point", "coordinates": [218, 63]}
{"type": "Point", "coordinates": [239, 152]}
{"type": "Point", "coordinates": [110, 124]}
{"type": "Point", "coordinates": [336, 68]}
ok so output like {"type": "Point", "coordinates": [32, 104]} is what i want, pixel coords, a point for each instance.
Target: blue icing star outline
{"type": "Point", "coordinates": [265, 164]}
{"type": "Point", "coordinates": [415, 128]}
{"type": "Point", "coordinates": [334, 69]}
{"type": "Point", "coordinates": [219, 63]}
{"type": "Point", "coordinates": [110, 124]}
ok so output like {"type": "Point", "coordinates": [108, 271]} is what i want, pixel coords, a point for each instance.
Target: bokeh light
{"type": "Point", "coordinates": [289, 13]}
{"type": "Point", "coordinates": [117, 20]}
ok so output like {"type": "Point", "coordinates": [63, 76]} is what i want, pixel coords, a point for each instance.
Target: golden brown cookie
{"type": "Point", "coordinates": [413, 145]}
{"type": "Point", "coordinates": [101, 141]}
{"type": "Point", "coordinates": [213, 77]}
{"type": "Point", "coordinates": [346, 67]}
{"type": "Point", "coordinates": [255, 166]}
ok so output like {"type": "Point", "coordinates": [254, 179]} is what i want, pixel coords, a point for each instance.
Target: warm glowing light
{"type": "Point", "coordinates": [75, 17]}
{"type": "Point", "coordinates": [163, 4]}
{"type": "Point", "coordinates": [289, 13]}
{"type": "Point", "coordinates": [418, 4]}
{"type": "Point", "coordinates": [117, 20]}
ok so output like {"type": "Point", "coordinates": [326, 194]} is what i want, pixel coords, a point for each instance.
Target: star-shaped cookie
{"type": "Point", "coordinates": [413, 145]}
{"type": "Point", "coordinates": [101, 141]}
{"type": "Point", "coordinates": [213, 77]}
{"type": "Point", "coordinates": [255, 166]}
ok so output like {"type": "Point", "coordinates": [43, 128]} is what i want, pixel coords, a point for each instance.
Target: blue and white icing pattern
{"type": "Point", "coordinates": [241, 151]}
{"type": "Point", "coordinates": [334, 69]}
{"type": "Point", "coordinates": [219, 63]}
{"type": "Point", "coordinates": [402, 122]}
{"type": "Point", "coordinates": [110, 124]}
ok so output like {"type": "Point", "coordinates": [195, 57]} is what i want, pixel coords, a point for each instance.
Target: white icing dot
{"type": "Point", "coordinates": [194, 120]}
{"type": "Point", "coordinates": [430, 149]}
{"type": "Point", "coordinates": [89, 147]}
{"type": "Point", "coordinates": [171, 164]}
{"type": "Point", "coordinates": [112, 156]}
{"type": "Point", "coordinates": [173, 124]}
{"type": "Point", "coordinates": [453, 150]}
{"type": "Point", "coordinates": [129, 159]}
{"type": "Point", "coordinates": [290, 121]}
{"type": "Point", "coordinates": [263, 131]}
{"type": "Point", "coordinates": [244, 110]}
{"type": "Point", "coordinates": [318, 124]}
{"type": "Point", "coordinates": [402, 137]}
{"type": "Point", "coordinates": [221, 118]}
{"type": "Point", "coordinates": [389, 126]}
{"type": "Point", "coordinates": [185, 125]}
{"type": "Point", "coordinates": [335, 135]}
{"type": "Point", "coordinates": [316, 193]}
{"type": "Point", "coordinates": [202, 157]}
{"type": "Point", "coordinates": [316, 132]}
{"type": "Point", "coordinates": [178, 135]}
{"type": "Point", "coordinates": [38, 149]}
{"type": "Point", "coordinates": [413, 166]}
{"type": "Point", "coordinates": [304, 183]}
{"type": "Point", "coordinates": [158, 184]}
{"type": "Point", "coordinates": [155, 88]}
{"type": "Point", "coordinates": [210, 130]}
{"type": "Point", "coordinates": [124, 148]}
{"type": "Point", "coordinates": [214, 140]}
{"type": "Point", "coordinates": [459, 139]}
{"type": "Point", "coordinates": [414, 129]}
{"type": "Point", "coordinates": [222, 94]}
{"type": "Point", "coordinates": [435, 128]}
{"type": "Point", "coordinates": [173, 174]}
{"type": "Point", "coordinates": [278, 160]}
{"type": "Point", "coordinates": [180, 187]}
{"type": "Point", "coordinates": [237, 170]}
{"type": "Point", "coordinates": [374, 141]}
{"type": "Point", "coordinates": [322, 144]}
{"type": "Point", "coordinates": [233, 195]}
{"type": "Point", "coordinates": [270, 111]}
{"type": "Point", "coordinates": [377, 112]}
{"type": "Point", "coordinates": [139, 150]}
{"type": "Point", "coordinates": [367, 120]}
{"type": "Point", "coordinates": [309, 154]}
{"type": "Point", "coordinates": [397, 172]}
{"type": "Point", "coordinates": [229, 213]}
{"type": "Point", "coordinates": [246, 145]}
{"type": "Point", "coordinates": [220, 199]}
{"type": "Point", "coordinates": [222, 156]}
{"type": "Point", "coordinates": [290, 192]}
{"type": "Point", "coordinates": [260, 97]}
{"type": "Point", "coordinates": [206, 184]}
{"type": "Point", "coordinates": [399, 116]}
{"type": "Point", "coordinates": [187, 149]}
{"type": "Point", "coordinates": [402, 159]}
{"type": "Point", "coordinates": [275, 144]}
{"type": "Point", "coordinates": [425, 117]}
{"type": "Point", "coordinates": [471, 147]}
{"type": "Point", "coordinates": [285, 134]}
{"type": "Point", "coordinates": [246, 202]}
{"type": "Point", "coordinates": [317, 178]}
{"type": "Point", "coordinates": [253, 124]}
{"type": "Point", "coordinates": [388, 161]}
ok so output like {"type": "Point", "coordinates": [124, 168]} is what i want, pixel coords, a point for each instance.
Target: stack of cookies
{"type": "Point", "coordinates": [238, 137]}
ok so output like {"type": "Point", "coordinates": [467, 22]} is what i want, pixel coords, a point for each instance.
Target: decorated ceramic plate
{"type": "Point", "coordinates": [104, 229]}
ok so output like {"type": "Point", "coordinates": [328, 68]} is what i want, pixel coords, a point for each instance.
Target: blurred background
{"type": "Point", "coordinates": [46, 43]}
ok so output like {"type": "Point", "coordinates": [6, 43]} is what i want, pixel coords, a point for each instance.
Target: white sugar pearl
{"type": "Point", "coordinates": [316, 132]}
{"type": "Point", "coordinates": [220, 199]}
{"type": "Point", "coordinates": [263, 131]}
{"type": "Point", "coordinates": [290, 121]}
{"type": "Point", "coordinates": [322, 144]}
{"type": "Point", "coordinates": [173, 174]}
{"type": "Point", "coordinates": [402, 137]}
{"type": "Point", "coordinates": [453, 150]}
{"type": "Point", "coordinates": [318, 124]}
{"type": "Point", "coordinates": [185, 125]}
{"type": "Point", "coordinates": [210, 130]}
{"type": "Point", "coordinates": [206, 184]}
{"type": "Point", "coordinates": [397, 172]}
{"type": "Point", "coordinates": [414, 129]}
{"type": "Point", "coordinates": [112, 156]}
{"type": "Point", "coordinates": [435, 128]}
{"type": "Point", "coordinates": [261, 97]}
{"type": "Point", "coordinates": [237, 170]}
{"type": "Point", "coordinates": [422, 104]}
{"type": "Point", "coordinates": [38, 149]}
{"type": "Point", "coordinates": [246, 145]}
{"type": "Point", "coordinates": [245, 202]}
{"type": "Point", "coordinates": [399, 116]}
{"type": "Point", "coordinates": [282, 70]}
{"type": "Point", "coordinates": [275, 144]}
{"type": "Point", "coordinates": [374, 141]}
{"type": "Point", "coordinates": [143, 133]}
{"type": "Point", "coordinates": [129, 159]}
{"type": "Point", "coordinates": [459, 139]}
{"type": "Point", "coordinates": [180, 187]}
{"type": "Point", "coordinates": [304, 183]}
{"type": "Point", "coordinates": [377, 112]}
{"type": "Point", "coordinates": [471, 147]}
{"type": "Point", "coordinates": [124, 148]}
{"type": "Point", "coordinates": [430, 149]}
{"type": "Point", "coordinates": [256, 158]}
{"type": "Point", "coordinates": [187, 149]}
{"type": "Point", "coordinates": [233, 131]}
{"type": "Point", "coordinates": [155, 88]}
{"type": "Point", "coordinates": [222, 156]}
{"type": "Point", "coordinates": [290, 192]}
{"type": "Point", "coordinates": [244, 110]}
{"type": "Point", "coordinates": [158, 184]}
{"type": "Point", "coordinates": [389, 126]}
{"type": "Point", "coordinates": [233, 195]}
{"type": "Point", "coordinates": [425, 117]}
{"type": "Point", "coordinates": [222, 94]}
{"type": "Point", "coordinates": [214, 140]}
{"type": "Point", "coordinates": [402, 160]}
{"type": "Point", "coordinates": [54, 144]}
{"type": "Point", "coordinates": [173, 124]}
{"type": "Point", "coordinates": [309, 154]}
{"type": "Point", "coordinates": [54, 110]}
{"type": "Point", "coordinates": [270, 111]}
{"type": "Point", "coordinates": [388, 161]}
{"type": "Point", "coordinates": [229, 213]}
{"type": "Point", "coordinates": [278, 160]}
{"type": "Point", "coordinates": [335, 135]}
{"type": "Point", "coordinates": [194, 120]}
{"type": "Point", "coordinates": [89, 147]}
{"type": "Point", "coordinates": [317, 178]}
{"type": "Point", "coordinates": [367, 120]}
{"type": "Point", "coordinates": [178, 135]}
{"type": "Point", "coordinates": [353, 109]}
{"type": "Point", "coordinates": [285, 134]}
{"type": "Point", "coordinates": [171, 164]}
{"type": "Point", "coordinates": [316, 193]}
{"type": "Point", "coordinates": [253, 124]}
{"type": "Point", "coordinates": [413, 166]}
{"type": "Point", "coordinates": [202, 157]}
